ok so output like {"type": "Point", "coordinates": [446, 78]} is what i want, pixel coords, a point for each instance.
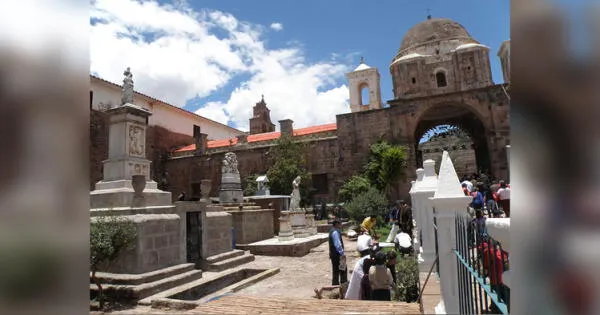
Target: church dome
{"type": "Point", "coordinates": [433, 30]}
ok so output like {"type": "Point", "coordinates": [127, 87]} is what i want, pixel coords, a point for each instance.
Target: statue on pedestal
{"type": "Point", "coordinates": [295, 200]}
{"type": "Point", "coordinates": [127, 92]}
{"type": "Point", "coordinates": [230, 163]}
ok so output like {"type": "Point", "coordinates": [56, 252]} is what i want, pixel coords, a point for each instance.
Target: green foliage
{"type": "Point", "coordinates": [289, 160]}
{"type": "Point", "coordinates": [109, 237]}
{"type": "Point", "coordinates": [250, 185]}
{"type": "Point", "coordinates": [407, 274]}
{"type": "Point", "coordinates": [371, 201]}
{"type": "Point", "coordinates": [386, 165]}
{"type": "Point", "coordinates": [353, 187]}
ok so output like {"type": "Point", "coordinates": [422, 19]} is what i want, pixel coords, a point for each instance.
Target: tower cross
{"type": "Point", "coordinates": [428, 14]}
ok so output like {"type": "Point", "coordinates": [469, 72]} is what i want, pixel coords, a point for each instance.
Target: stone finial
{"type": "Point", "coordinates": [448, 182]}
{"type": "Point", "coordinates": [429, 166]}
{"type": "Point", "coordinates": [127, 90]}
{"type": "Point", "coordinates": [420, 174]}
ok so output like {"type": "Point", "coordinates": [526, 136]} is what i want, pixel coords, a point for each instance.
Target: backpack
{"type": "Point", "coordinates": [478, 199]}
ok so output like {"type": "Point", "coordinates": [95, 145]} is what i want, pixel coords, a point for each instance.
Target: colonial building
{"type": "Point", "coordinates": [441, 76]}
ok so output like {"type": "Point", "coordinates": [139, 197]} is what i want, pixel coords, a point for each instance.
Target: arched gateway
{"type": "Point", "coordinates": [441, 75]}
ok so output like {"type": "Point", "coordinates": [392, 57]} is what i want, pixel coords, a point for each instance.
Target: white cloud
{"type": "Point", "coordinates": [177, 54]}
{"type": "Point", "coordinates": [276, 26]}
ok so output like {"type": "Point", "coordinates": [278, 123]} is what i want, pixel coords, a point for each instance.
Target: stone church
{"type": "Point", "coordinates": [441, 76]}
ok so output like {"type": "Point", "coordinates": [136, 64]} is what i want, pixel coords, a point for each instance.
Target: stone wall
{"type": "Point", "coordinates": [158, 245]}
{"type": "Point", "coordinates": [252, 225]}
{"type": "Point", "coordinates": [218, 232]}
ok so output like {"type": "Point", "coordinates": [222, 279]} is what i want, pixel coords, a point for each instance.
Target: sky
{"type": "Point", "coordinates": [217, 57]}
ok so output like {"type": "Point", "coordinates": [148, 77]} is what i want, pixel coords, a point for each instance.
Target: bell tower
{"type": "Point", "coordinates": [261, 118]}
{"type": "Point", "coordinates": [365, 93]}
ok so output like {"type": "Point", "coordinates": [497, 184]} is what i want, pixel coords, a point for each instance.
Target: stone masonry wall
{"type": "Point", "coordinates": [252, 225]}
{"type": "Point", "coordinates": [218, 232]}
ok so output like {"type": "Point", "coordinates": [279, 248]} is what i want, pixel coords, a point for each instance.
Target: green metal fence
{"type": "Point", "coordinates": [481, 262]}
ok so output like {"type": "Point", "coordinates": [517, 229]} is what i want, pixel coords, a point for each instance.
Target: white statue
{"type": "Point", "coordinates": [230, 163]}
{"type": "Point", "coordinates": [127, 92]}
{"type": "Point", "coordinates": [295, 201]}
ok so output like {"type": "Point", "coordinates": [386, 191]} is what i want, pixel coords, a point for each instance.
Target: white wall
{"type": "Point", "coordinates": [162, 114]}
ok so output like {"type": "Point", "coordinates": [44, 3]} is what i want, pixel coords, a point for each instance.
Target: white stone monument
{"type": "Point", "coordinates": [231, 184]}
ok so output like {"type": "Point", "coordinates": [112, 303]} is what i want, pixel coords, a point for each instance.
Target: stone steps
{"type": "Point", "coordinates": [137, 292]}
{"type": "Point", "coordinates": [130, 279]}
{"type": "Point", "coordinates": [228, 260]}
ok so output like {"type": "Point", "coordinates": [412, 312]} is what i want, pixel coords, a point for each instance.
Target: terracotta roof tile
{"type": "Point", "coordinates": [263, 137]}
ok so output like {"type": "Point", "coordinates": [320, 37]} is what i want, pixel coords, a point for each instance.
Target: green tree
{"type": "Point", "coordinates": [353, 187]}
{"type": "Point", "coordinates": [289, 160]}
{"type": "Point", "coordinates": [371, 201]}
{"type": "Point", "coordinates": [250, 185]}
{"type": "Point", "coordinates": [386, 165]}
{"type": "Point", "coordinates": [109, 237]}
{"type": "Point", "coordinates": [407, 288]}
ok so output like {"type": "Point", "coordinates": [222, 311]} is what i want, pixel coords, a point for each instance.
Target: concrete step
{"type": "Point", "coordinates": [129, 279]}
{"type": "Point", "coordinates": [138, 292]}
{"type": "Point", "coordinates": [224, 256]}
{"type": "Point", "coordinates": [230, 263]}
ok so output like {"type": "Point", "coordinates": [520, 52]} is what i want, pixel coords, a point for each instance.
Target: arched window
{"type": "Point", "coordinates": [364, 95]}
{"type": "Point", "coordinates": [440, 77]}
{"type": "Point", "coordinates": [264, 128]}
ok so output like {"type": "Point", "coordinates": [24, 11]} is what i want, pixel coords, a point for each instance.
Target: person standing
{"type": "Point", "coordinates": [504, 196]}
{"type": "Point", "coordinates": [406, 218]}
{"type": "Point", "coordinates": [380, 279]}
{"type": "Point", "coordinates": [393, 218]}
{"type": "Point", "coordinates": [337, 255]}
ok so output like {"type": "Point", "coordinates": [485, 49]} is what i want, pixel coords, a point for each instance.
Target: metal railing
{"type": "Point", "coordinates": [481, 262]}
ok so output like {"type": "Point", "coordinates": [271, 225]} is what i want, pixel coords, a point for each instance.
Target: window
{"type": "Point", "coordinates": [91, 99]}
{"type": "Point", "coordinates": [437, 51]}
{"type": "Point", "coordinates": [440, 77]}
{"type": "Point", "coordinates": [264, 128]}
{"type": "Point", "coordinates": [414, 81]}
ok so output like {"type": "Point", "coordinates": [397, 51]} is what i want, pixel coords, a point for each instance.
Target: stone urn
{"type": "Point", "coordinates": [205, 186]}
{"type": "Point", "coordinates": [139, 183]}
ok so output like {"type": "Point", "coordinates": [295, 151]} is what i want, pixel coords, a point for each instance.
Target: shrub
{"type": "Point", "coordinates": [109, 237]}
{"type": "Point", "coordinates": [250, 185]}
{"type": "Point", "coordinates": [353, 187]}
{"type": "Point", "coordinates": [407, 276]}
{"type": "Point", "coordinates": [371, 201]}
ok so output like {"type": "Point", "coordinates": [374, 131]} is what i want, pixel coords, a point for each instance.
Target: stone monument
{"type": "Point", "coordinates": [127, 191]}
{"type": "Point", "coordinates": [296, 223]}
{"type": "Point", "coordinates": [231, 184]}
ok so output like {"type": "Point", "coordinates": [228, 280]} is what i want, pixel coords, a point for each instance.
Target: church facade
{"type": "Point", "coordinates": [441, 76]}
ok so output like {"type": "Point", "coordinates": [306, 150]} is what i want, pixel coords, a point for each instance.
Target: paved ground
{"type": "Point", "coordinates": [291, 290]}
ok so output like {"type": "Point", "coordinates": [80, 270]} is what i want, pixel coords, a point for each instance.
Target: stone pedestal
{"type": "Point", "coordinates": [231, 188]}
{"type": "Point", "coordinates": [422, 191]}
{"type": "Point", "coordinates": [285, 227]}
{"type": "Point", "coordinates": [310, 224]}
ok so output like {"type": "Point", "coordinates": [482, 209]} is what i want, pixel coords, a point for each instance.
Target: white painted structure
{"type": "Point", "coordinates": [422, 191]}
{"type": "Point", "coordinates": [105, 94]}
{"type": "Point", "coordinates": [364, 77]}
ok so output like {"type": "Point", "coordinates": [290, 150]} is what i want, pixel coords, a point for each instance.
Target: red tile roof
{"type": "Point", "coordinates": [263, 137]}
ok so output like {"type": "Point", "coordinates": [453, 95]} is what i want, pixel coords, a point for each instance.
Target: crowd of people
{"type": "Point", "coordinates": [493, 198]}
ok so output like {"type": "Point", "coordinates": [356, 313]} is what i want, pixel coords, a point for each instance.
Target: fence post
{"type": "Point", "coordinates": [448, 200]}
{"type": "Point", "coordinates": [423, 190]}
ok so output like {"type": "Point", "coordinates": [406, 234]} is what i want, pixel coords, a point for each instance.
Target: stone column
{"type": "Point", "coordinates": [448, 200]}
{"type": "Point", "coordinates": [425, 189]}
{"type": "Point", "coordinates": [285, 227]}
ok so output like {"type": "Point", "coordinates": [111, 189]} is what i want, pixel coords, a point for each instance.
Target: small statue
{"type": "Point", "coordinates": [230, 164]}
{"type": "Point", "coordinates": [295, 200]}
{"type": "Point", "coordinates": [127, 91]}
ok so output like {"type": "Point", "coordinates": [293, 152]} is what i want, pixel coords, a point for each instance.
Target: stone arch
{"type": "Point", "coordinates": [463, 116]}
{"type": "Point", "coordinates": [364, 93]}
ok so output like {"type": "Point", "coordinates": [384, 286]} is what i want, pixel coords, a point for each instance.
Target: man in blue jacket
{"type": "Point", "coordinates": [337, 255]}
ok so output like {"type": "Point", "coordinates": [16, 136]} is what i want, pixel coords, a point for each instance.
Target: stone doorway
{"type": "Point", "coordinates": [193, 236]}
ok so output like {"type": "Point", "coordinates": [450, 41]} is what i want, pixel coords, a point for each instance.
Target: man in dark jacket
{"type": "Point", "coordinates": [406, 219]}
{"type": "Point", "coordinates": [337, 255]}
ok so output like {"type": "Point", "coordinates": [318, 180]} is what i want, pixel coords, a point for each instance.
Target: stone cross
{"type": "Point", "coordinates": [127, 91]}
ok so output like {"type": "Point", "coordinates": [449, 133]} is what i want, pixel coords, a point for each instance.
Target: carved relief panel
{"type": "Point", "coordinates": [136, 140]}
{"type": "Point", "coordinates": [138, 169]}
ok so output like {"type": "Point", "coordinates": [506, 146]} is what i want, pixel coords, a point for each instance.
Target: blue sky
{"type": "Point", "coordinates": [373, 29]}
{"type": "Point", "coordinates": [216, 57]}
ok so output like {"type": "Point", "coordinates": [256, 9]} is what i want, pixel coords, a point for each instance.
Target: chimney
{"type": "Point", "coordinates": [242, 139]}
{"type": "Point", "coordinates": [201, 140]}
{"type": "Point", "coordinates": [287, 127]}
